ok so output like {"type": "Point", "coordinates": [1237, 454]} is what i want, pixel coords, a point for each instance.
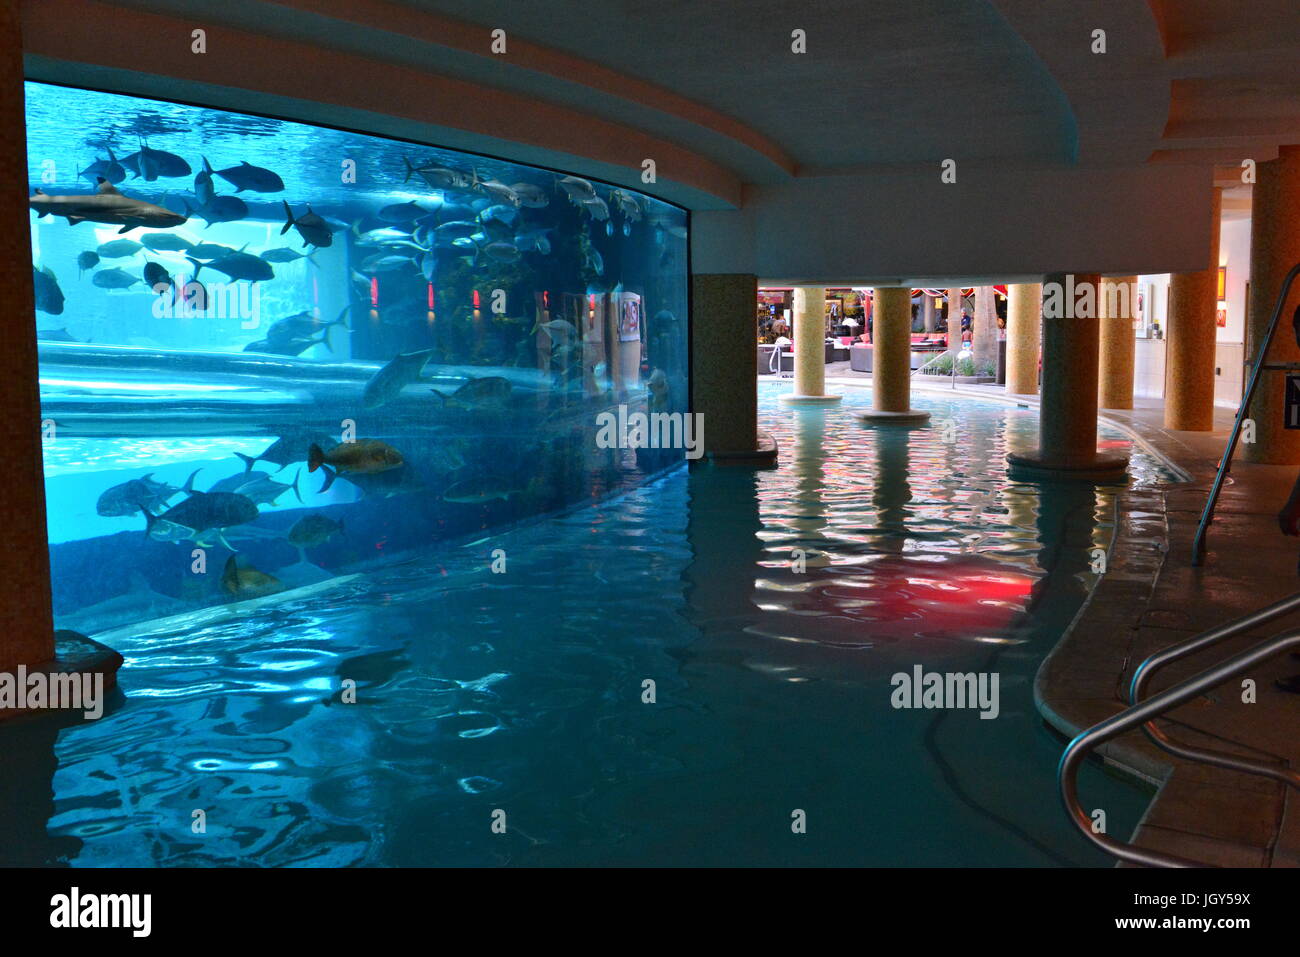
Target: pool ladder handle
{"type": "Point", "coordinates": [1258, 366]}
{"type": "Point", "coordinates": [1143, 712]}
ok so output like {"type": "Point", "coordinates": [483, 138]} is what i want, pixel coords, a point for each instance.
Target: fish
{"type": "Point", "coordinates": [437, 177]}
{"type": "Point", "coordinates": [596, 208]}
{"type": "Point", "coordinates": [457, 229]}
{"type": "Point", "coordinates": [131, 496]}
{"type": "Point", "coordinates": [114, 279]}
{"type": "Point", "coordinates": [507, 215]}
{"type": "Point", "coordinates": [237, 265]}
{"type": "Point", "coordinates": [480, 491]}
{"type": "Point", "coordinates": [399, 481]}
{"type": "Point", "coordinates": [627, 205]}
{"type": "Point", "coordinates": [378, 235]}
{"type": "Point", "coordinates": [283, 254]}
{"type": "Point", "coordinates": [109, 169]}
{"type": "Point", "coordinates": [219, 209]}
{"type": "Point", "coordinates": [118, 249]}
{"type": "Point", "coordinates": [402, 212]}
{"type": "Point", "coordinates": [311, 227]}
{"type": "Point", "coordinates": [257, 179]}
{"type": "Point", "coordinates": [205, 512]}
{"type": "Point", "coordinates": [400, 371]}
{"type": "Point", "coordinates": [594, 261]}
{"type": "Point", "coordinates": [155, 275]}
{"type": "Point", "coordinates": [534, 197]}
{"type": "Point", "coordinates": [384, 262]}
{"type": "Point", "coordinates": [248, 582]}
{"type": "Point", "coordinates": [49, 297]}
{"type": "Point", "coordinates": [138, 603]}
{"type": "Point", "coordinates": [658, 389]}
{"type": "Point", "coordinates": [257, 486]}
{"type": "Point", "coordinates": [362, 457]}
{"type": "Point", "coordinates": [555, 328]}
{"type": "Point", "coordinates": [477, 393]}
{"type": "Point", "coordinates": [495, 188]}
{"type": "Point", "coordinates": [301, 326]}
{"type": "Point", "coordinates": [166, 242]}
{"type": "Point", "coordinates": [210, 251]}
{"type": "Point", "coordinates": [576, 188]}
{"type": "Point", "coordinates": [533, 240]}
{"type": "Point", "coordinates": [312, 530]}
{"type": "Point", "coordinates": [105, 205]}
{"type": "Point", "coordinates": [288, 448]}
{"type": "Point", "coordinates": [501, 252]}
{"type": "Point", "coordinates": [151, 163]}
{"type": "Point", "coordinates": [86, 260]}
{"type": "Point", "coordinates": [289, 347]}
{"type": "Point", "coordinates": [204, 191]}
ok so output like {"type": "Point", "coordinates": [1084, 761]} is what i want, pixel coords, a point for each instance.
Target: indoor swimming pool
{"type": "Point", "coordinates": [769, 609]}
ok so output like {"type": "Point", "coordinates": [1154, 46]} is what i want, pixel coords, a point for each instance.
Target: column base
{"type": "Point", "coordinates": [74, 653]}
{"type": "Point", "coordinates": [792, 399]}
{"type": "Point", "coordinates": [1100, 468]}
{"type": "Point", "coordinates": [881, 417]}
{"type": "Point", "coordinates": [762, 456]}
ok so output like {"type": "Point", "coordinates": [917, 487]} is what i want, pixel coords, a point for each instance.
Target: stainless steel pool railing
{"type": "Point", "coordinates": [1259, 366]}
{"type": "Point", "coordinates": [1142, 678]}
{"type": "Point", "coordinates": [1140, 713]}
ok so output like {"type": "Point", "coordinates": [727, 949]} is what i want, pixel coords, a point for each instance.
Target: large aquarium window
{"type": "Point", "coordinates": [274, 353]}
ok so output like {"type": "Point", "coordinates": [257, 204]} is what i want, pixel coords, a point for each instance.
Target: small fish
{"type": "Point", "coordinates": [118, 249]}
{"type": "Point", "coordinates": [501, 252]}
{"type": "Point", "coordinates": [480, 491]}
{"type": "Point", "coordinates": [86, 260]}
{"type": "Point", "coordinates": [219, 209]}
{"type": "Point", "coordinates": [209, 251]}
{"type": "Point", "coordinates": [533, 241]}
{"type": "Point", "coordinates": [534, 197]}
{"type": "Point", "coordinates": [289, 347]}
{"type": "Point", "coordinates": [478, 393]}
{"type": "Point", "coordinates": [384, 262]}
{"type": "Point", "coordinates": [205, 512]}
{"type": "Point", "coordinates": [288, 448]}
{"type": "Point", "coordinates": [258, 179]}
{"type": "Point", "coordinates": [151, 163]}
{"type": "Point", "coordinates": [592, 260]}
{"type": "Point", "coordinates": [311, 227]}
{"type": "Point", "coordinates": [284, 254]}
{"type": "Point", "coordinates": [402, 212]}
{"type": "Point", "coordinates": [248, 582]}
{"type": "Point", "coordinates": [259, 487]}
{"type": "Point", "coordinates": [400, 371]}
{"type": "Point", "coordinates": [576, 188]}
{"type": "Point", "coordinates": [204, 191]}
{"type": "Point", "coordinates": [131, 496]}
{"type": "Point", "coordinates": [114, 279]}
{"type": "Point", "coordinates": [362, 457]}
{"type": "Point", "coordinates": [437, 177]}
{"type": "Point", "coordinates": [49, 297]}
{"type": "Point", "coordinates": [238, 265]}
{"type": "Point", "coordinates": [312, 530]}
{"type": "Point", "coordinates": [627, 205]}
{"type": "Point", "coordinates": [555, 328]}
{"type": "Point", "coordinates": [596, 208]}
{"type": "Point", "coordinates": [498, 190]}
{"type": "Point", "coordinates": [303, 325]}
{"type": "Point", "coordinates": [109, 169]}
{"type": "Point", "coordinates": [155, 276]}
{"type": "Point", "coordinates": [448, 232]}
{"type": "Point", "coordinates": [166, 242]}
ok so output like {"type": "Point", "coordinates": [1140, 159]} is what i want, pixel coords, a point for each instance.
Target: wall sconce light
{"type": "Point", "coordinates": [1223, 284]}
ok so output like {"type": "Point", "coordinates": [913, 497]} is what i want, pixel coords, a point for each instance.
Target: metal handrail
{"type": "Point", "coordinates": [1142, 677]}
{"type": "Point", "coordinates": [1207, 515]}
{"type": "Point", "coordinates": [1134, 715]}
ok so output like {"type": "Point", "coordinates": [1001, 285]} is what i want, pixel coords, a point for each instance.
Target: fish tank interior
{"type": "Point", "coordinates": [311, 351]}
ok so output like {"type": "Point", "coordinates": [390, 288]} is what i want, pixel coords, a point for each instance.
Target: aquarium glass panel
{"type": "Point", "coordinates": [272, 353]}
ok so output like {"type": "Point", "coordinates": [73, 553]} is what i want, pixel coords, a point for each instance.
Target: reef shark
{"type": "Point", "coordinates": [106, 205]}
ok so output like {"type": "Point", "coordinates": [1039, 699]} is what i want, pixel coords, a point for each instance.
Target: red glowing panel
{"type": "Point", "coordinates": [431, 297]}
{"type": "Point", "coordinates": [476, 299]}
{"type": "Point", "coordinates": [374, 290]}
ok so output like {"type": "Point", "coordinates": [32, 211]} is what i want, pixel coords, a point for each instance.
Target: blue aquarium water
{"type": "Point", "coordinates": [317, 349]}
{"type": "Point", "coordinates": [524, 692]}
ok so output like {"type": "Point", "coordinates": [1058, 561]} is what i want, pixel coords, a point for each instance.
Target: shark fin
{"type": "Point", "coordinates": [105, 187]}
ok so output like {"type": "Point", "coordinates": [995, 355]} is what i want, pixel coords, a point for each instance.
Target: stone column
{"type": "Point", "coordinates": [1067, 417]}
{"type": "Point", "coordinates": [1117, 308]}
{"type": "Point", "coordinates": [1024, 332]}
{"type": "Point", "coordinates": [810, 348]}
{"type": "Point", "coordinates": [1189, 350]}
{"type": "Point", "coordinates": [26, 621]}
{"type": "Point", "coordinates": [929, 315]}
{"type": "Point", "coordinates": [724, 366]}
{"type": "Point", "coordinates": [954, 322]}
{"type": "Point", "coordinates": [891, 367]}
{"type": "Point", "coordinates": [1274, 249]}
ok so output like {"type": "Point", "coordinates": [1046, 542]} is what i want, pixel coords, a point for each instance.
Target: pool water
{"type": "Point", "coordinates": [518, 697]}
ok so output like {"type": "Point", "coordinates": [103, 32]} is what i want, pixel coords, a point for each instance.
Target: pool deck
{"type": "Point", "coordinates": [1151, 597]}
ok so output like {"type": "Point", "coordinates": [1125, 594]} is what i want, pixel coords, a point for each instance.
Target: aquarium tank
{"type": "Point", "coordinates": [272, 353]}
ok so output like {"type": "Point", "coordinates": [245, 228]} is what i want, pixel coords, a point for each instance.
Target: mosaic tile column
{"type": "Point", "coordinates": [891, 367]}
{"type": "Point", "coordinates": [724, 360]}
{"type": "Point", "coordinates": [929, 315]}
{"type": "Point", "coordinates": [1067, 417]}
{"type": "Point", "coordinates": [954, 322]}
{"type": "Point", "coordinates": [1024, 332]}
{"type": "Point", "coordinates": [1115, 362]}
{"type": "Point", "coordinates": [810, 348]}
{"type": "Point", "coordinates": [1189, 350]}
{"type": "Point", "coordinates": [26, 626]}
{"type": "Point", "coordinates": [1274, 249]}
